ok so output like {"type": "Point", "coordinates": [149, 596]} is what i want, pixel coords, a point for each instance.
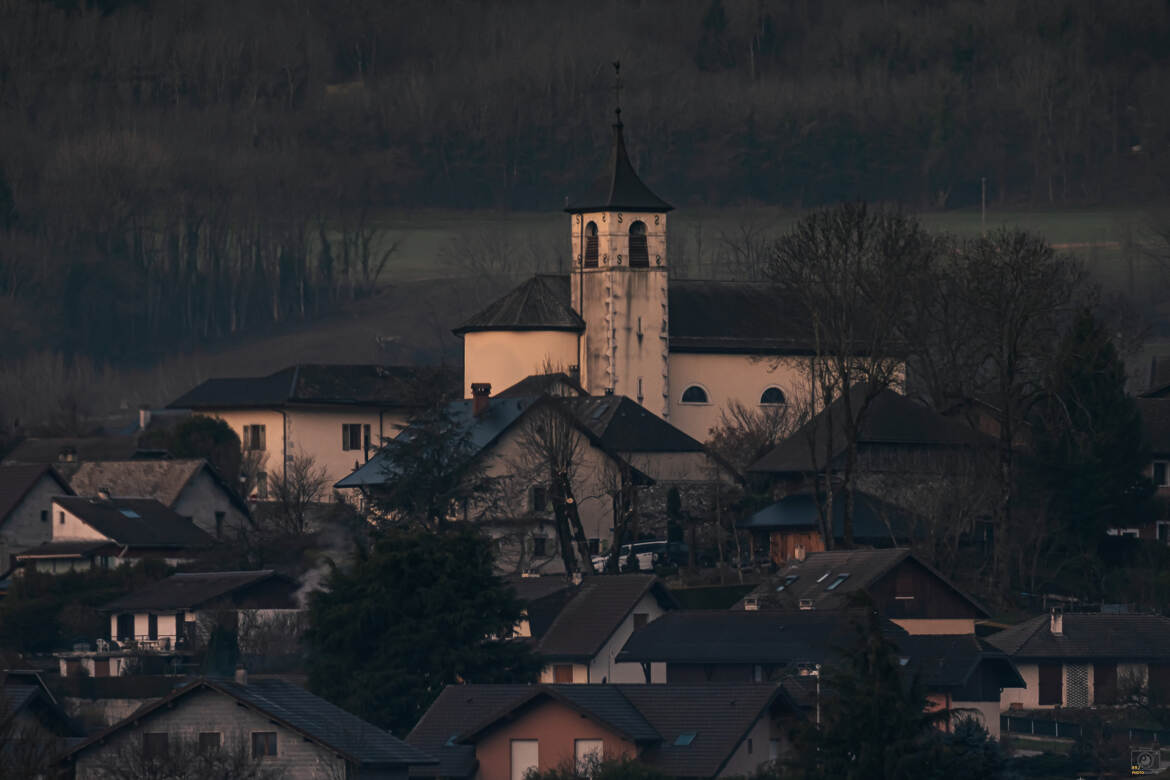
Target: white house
{"type": "Point", "coordinates": [26, 504]}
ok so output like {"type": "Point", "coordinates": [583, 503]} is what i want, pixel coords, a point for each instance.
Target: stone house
{"type": "Point", "coordinates": [500, 732]}
{"type": "Point", "coordinates": [1088, 659]}
{"type": "Point", "coordinates": [26, 505]}
{"type": "Point", "coordinates": [191, 487]}
{"type": "Point", "coordinates": [336, 414]}
{"type": "Point", "coordinates": [271, 722]}
{"type": "Point", "coordinates": [105, 532]}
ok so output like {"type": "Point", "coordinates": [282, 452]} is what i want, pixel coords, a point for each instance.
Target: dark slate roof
{"type": "Point", "coordinates": [534, 588]}
{"type": "Point", "coordinates": [137, 522]}
{"type": "Point", "coordinates": [17, 480]}
{"type": "Point", "coordinates": [543, 384]}
{"type": "Point", "coordinates": [1156, 423]}
{"type": "Point", "coordinates": [79, 548]}
{"type": "Point", "coordinates": [191, 590]}
{"type": "Point", "coordinates": [745, 637]}
{"type": "Point", "coordinates": [819, 570]}
{"type": "Point", "coordinates": [482, 431]}
{"type": "Point", "coordinates": [163, 480]}
{"type": "Point", "coordinates": [599, 606]}
{"type": "Point", "coordinates": [624, 425]}
{"type": "Point", "coordinates": [619, 188]}
{"type": "Point", "coordinates": [870, 517]}
{"type": "Point", "coordinates": [541, 303]}
{"type": "Point", "coordinates": [892, 419]}
{"type": "Point", "coordinates": [720, 715]}
{"type": "Point", "coordinates": [944, 661]}
{"type": "Point", "coordinates": [739, 317]}
{"type": "Point", "coordinates": [52, 450]}
{"type": "Point", "coordinates": [1089, 635]}
{"type": "Point", "coordinates": [295, 708]}
{"type": "Point", "coordinates": [358, 385]}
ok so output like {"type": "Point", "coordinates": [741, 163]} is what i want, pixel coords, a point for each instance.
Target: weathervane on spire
{"type": "Point", "coordinates": [617, 88]}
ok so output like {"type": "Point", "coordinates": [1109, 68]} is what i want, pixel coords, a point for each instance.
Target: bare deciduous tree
{"type": "Point", "coordinates": [302, 484]}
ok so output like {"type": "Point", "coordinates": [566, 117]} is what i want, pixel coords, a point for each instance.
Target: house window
{"type": "Point", "coordinates": [639, 253]}
{"type": "Point", "coordinates": [773, 396]}
{"type": "Point", "coordinates": [539, 545]}
{"type": "Point", "coordinates": [125, 626]}
{"type": "Point", "coordinates": [594, 546]}
{"type": "Point", "coordinates": [261, 484]}
{"type": "Point", "coordinates": [525, 758]}
{"type": "Point", "coordinates": [152, 626]}
{"type": "Point", "coordinates": [538, 498]}
{"type": "Point", "coordinates": [155, 744]}
{"type": "Point", "coordinates": [1051, 689]}
{"type": "Point", "coordinates": [60, 518]}
{"type": "Point", "coordinates": [694, 395]}
{"type": "Point", "coordinates": [1160, 475]}
{"type": "Point", "coordinates": [587, 753]}
{"type": "Point", "coordinates": [263, 744]}
{"type": "Point", "coordinates": [355, 436]}
{"type": "Point", "coordinates": [209, 741]}
{"type": "Point", "coordinates": [254, 438]}
{"type": "Point", "coordinates": [219, 525]}
{"type": "Point", "coordinates": [44, 515]}
{"type": "Point", "coordinates": [640, 620]}
{"type": "Point", "coordinates": [591, 245]}
{"type": "Point", "coordinates": [562, 673]}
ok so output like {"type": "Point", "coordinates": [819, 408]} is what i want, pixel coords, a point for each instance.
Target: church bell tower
{"type": "Point", "coordinates": [619, 283]}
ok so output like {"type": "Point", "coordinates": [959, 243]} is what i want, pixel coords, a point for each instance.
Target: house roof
{"type": "Point", "coordinates": [310, 383]}
{"type": "Point", "coordinates": [619, 188]}
{"type": "Point", "coordinates": [891, 419]}
{"type": "Point", "coordinates": [744, 637]}
{"type": "Point", "coordinates": [534, 588]}
{"type": "Point", "coordinates": [191, 590]}
{"type": "Point", "coordinates": [52, 449]}
{"type": "Point", "coordinates": [73, 548]}
{"type": "Point", "coordinates": [298, 710]}
{"type": "Point", "coordinates": [1088, 635]}
{"type": "Point", "coordinates": [623, 425]}
{"type": "Point", "coordinates": [595, 612]}
{"type": "Point", "coordinates": [718, 715]}
{"type": "Point", "coordinates": [162, 480]}
{"type": "Point", "coordinates": [137, 522]}
{"type": "Point", "coordinates": [1156, 423]}
{"type": "Point", "coordinates": [942, 661]}
{"type": "Point", "coordinates": [873, 518]}
{"type": "Point", "coordinates": [541, 303]}
{"type": "Point", "coordinates": [812, 580]}
{"type": "Point", "coordinates": [556, 383]}
{"type": "Point", "coordinates": [22, 690]}
{"type": "Point", "coordinates": [16, 481]}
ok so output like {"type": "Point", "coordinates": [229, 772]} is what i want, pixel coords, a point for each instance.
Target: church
{"type": "Point", "coordinates": [621, 325]}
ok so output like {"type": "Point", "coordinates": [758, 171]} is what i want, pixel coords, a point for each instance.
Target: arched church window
{"type": "Point", "coordinates": [773, 396]}
{"type": "Point", "coordinates": [639, 254]}
{"type": "Point", "coordinates": [591, 245]}
{"type": "Point", "coordinates": [694, 395]}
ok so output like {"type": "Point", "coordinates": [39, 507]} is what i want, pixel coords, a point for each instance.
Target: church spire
{"type": "Point", "coordinates": [620, 189]}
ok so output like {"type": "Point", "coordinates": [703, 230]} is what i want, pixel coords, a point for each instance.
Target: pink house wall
{"type": "Point", "coordinates": [555, 726]}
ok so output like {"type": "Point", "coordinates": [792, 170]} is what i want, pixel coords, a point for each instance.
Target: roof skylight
{"type": "Point", "coordinates": [129, 513]}
{"type": "Point", "coordinates": [685, 738]}
{"type": "Point", "coordinates": [835, 583]}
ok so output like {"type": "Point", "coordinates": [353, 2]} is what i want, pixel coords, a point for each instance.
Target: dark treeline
{"type": "Point", "coordinates": [173, 172]}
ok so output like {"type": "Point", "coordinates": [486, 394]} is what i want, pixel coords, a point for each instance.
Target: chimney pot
{"type": "Point", "coordinates": [104, 493]}
{"type": "Point", "coordinates": [1056, 621]}
{"type": "Point", "coordinates": [241, 674]}
{"type": "Point", "coordinates": [799, 552]}
{"type": "Point", "coordinates": [143, 417]}
{"type": "Point", "coordinates": [480, 393]}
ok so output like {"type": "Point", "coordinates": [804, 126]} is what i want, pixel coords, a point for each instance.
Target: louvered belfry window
{"type": "Point", "coordinates": [639, 254]}
{"type": "Point", "coordinates": [591, 245]}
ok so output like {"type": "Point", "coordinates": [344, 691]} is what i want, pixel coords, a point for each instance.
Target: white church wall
{"type": "Point", "coordinates": [503, 358]}
{"type": "Point", "coordinates": [727, 378]}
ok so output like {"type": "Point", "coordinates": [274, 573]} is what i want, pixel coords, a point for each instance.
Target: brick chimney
{"type": "Point", "coordinates": [1056, 621]}
{"type": "Point", "coordinates": [799, 552]}
{"type": "Point", "coordinates": [104, 493]}
{"type": "Point", "coordinates": [480, 393]}
{"type": "Point", "coordinates": [143, 417]}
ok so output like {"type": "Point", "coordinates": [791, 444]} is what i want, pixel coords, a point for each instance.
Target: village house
{"type": "Point", "coordinates": [105, 532]}
{"type": "Point", "coordinates": [34, 729]}
{"type": "Point", "coordinates": [191, 487]}
{"type": "Point", "coordinates": [683, 349]}
{"type": "Point", "coordinates": [501, 732]}
{"type": "Point", "coordinates": [338, 415]}
{"type": "Point", "coordinates": [1088, 659]}
{"type": "Point", "coordinates": [578, 633]}
{"type": "Point", "coordinates": [175, 616]}
{"type": "Point", "coordinates": [959, 673]}
{"type": "Point", "coordinates": [903, 588]}
{"type": "Point", "coordinates": [26, 505]}
{"type": "Point", "coordinates": [270, 722]}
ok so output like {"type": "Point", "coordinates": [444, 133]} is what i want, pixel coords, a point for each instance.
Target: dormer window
{"type": "Point", "coordinates": [591, 245]}
{"type": "Point", "coordinates": [639, 253]}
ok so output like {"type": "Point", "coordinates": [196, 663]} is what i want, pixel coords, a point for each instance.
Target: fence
{"type": "Point", "coordinates": [1042, 727]}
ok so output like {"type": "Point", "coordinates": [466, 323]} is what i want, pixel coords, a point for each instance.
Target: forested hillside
{"type": "Point", "coordinates": [176, 172]}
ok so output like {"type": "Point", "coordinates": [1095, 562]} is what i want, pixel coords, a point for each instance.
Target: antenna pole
{"type": "Point", "coordinates": [617, 89]}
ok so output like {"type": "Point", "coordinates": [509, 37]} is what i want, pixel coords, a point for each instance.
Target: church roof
{"type": "Point", "coordinates": [619, 188]}
{"type": "Point", "coordinates": [541, 303]}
